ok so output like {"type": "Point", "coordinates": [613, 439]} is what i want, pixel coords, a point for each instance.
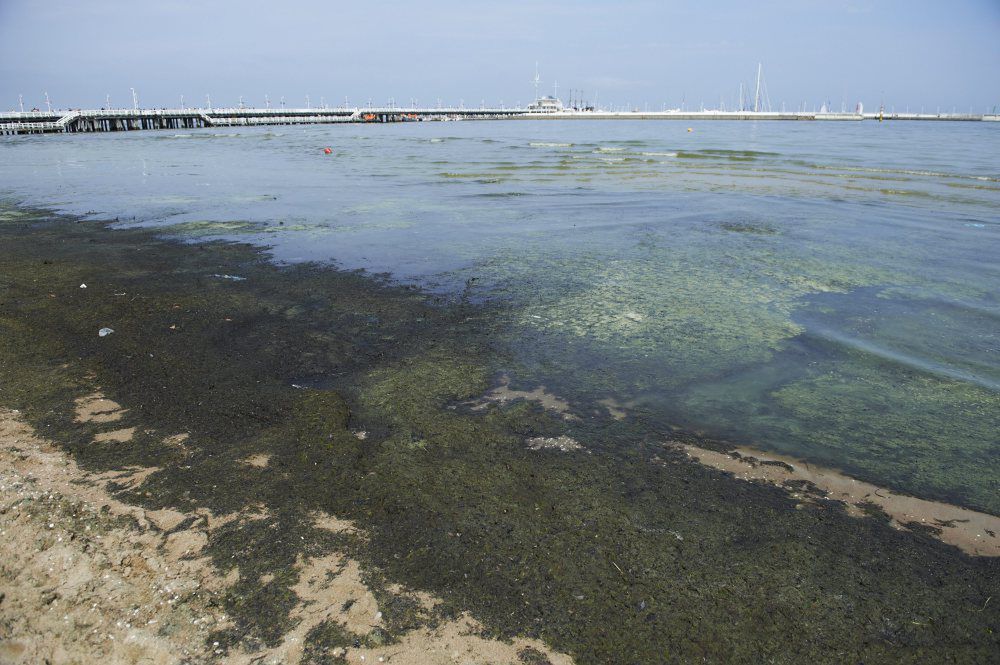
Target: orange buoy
{"type": "Point", "coordinates": [327, 151]}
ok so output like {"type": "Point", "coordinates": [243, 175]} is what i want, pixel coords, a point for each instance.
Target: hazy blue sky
{"type": "Point", "coordinates": [917, 52]}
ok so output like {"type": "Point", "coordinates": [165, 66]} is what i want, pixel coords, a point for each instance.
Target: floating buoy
{"type": "Point", "coordinates": [690, 130]}
{"type": "Point", "coordinates": [327, 151]}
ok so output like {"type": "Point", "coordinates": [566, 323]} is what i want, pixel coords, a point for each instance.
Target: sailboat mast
{"type": "Point", "coordinates": [756, 97]}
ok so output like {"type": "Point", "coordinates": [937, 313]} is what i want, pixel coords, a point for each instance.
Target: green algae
{"type": "Point", "coordinates": [210, 228]}
{"type": "Point", "coordinates": [675, 307]}
{"type": "Point", "coordinates": [875, 418]}
{"type": "Point", "coordinates": [8, 215]}
{"type": "Point", "coordinates": [678, 304]}
{"type": "Point", "coordinates": [625, 166]}
{"type": "Point", "coordinates": [939, 442]}
{"type": "Point", "coordinates": [749, 227]}
{"type": "Point", "coordinates": [326, 640]}
{"type": "Point", "coordinates": [716, 332]}
{"type": "Point", "coordinates": [622, 554]}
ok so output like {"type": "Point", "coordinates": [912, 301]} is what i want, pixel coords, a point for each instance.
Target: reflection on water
{"type": "Point", "coordinates": [824, 290]}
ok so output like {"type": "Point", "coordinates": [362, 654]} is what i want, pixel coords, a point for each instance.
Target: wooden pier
{"type": "Point", "coordinates": [117, 120]}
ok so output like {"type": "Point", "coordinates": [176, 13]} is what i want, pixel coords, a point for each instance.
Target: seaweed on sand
{"type": "Point", "coordinates": [606, 556]}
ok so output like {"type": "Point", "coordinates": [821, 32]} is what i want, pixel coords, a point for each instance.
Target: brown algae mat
{"type": "Point", "coordinates": [296, 447]}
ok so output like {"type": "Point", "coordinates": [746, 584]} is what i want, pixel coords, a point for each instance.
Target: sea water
{"type": "Point", "coordinates": [825, 290]}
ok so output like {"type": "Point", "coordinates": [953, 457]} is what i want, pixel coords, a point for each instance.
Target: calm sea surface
{"type": "Point", "coordinates": [827, 290]}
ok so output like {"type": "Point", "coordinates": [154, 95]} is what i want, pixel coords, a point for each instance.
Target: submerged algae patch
{"type": "Point", "coordinates": [700, 328]}
{"type": "Point", "coordinates": [688, 298]}
{"type": "Point", "coordinates": [207, 228]}
{"type": "Point", "coordinates": [863, 390]}
{"type": "Point", "coordinates": [609, 556]}
{"type": "Point", "coordinates": [940, 442]}
{"type": "Point", "coordinates": [749, 227]}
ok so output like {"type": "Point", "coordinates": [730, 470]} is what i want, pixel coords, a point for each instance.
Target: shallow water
{"type": "Point", "coordinates": [826, 290]}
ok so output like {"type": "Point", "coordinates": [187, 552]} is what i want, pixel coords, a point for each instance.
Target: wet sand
{"type": "Point", "coordinates": [973, 532]}
{"type": "Point", "coordinates": [502, 393]}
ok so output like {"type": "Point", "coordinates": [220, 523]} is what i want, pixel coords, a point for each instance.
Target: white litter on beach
{"type": "Point", "coordinates": [563, 443]}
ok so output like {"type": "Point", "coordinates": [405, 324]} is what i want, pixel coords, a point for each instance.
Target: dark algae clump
{"type": "Point", "coordinates": [624, 551]}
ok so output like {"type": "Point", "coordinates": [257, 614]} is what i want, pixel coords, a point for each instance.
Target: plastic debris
{"type": "Point", "coordinates": [104, 332]}
{"type": "Point", "coordinates": [83, 286]}
{"type": "Point", "coordinates": [235, 278]}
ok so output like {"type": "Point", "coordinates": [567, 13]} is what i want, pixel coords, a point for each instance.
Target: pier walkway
{"type": "Point", "coordinates": [114, 120]}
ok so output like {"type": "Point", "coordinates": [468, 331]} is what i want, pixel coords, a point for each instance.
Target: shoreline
{"type": "Point", "coordinates": [973, 532]}
{"type": "Point", "coordinates": [574, 534]}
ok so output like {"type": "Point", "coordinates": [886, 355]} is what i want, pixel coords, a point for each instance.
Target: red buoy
{"type": "Point", "coordinates": [327, 151]}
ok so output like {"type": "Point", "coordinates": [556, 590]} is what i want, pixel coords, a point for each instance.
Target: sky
{"type": "Point", "coordinates": [911, 55]}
